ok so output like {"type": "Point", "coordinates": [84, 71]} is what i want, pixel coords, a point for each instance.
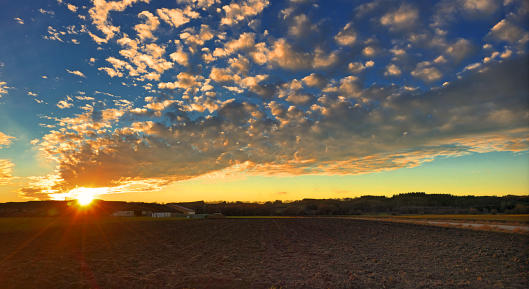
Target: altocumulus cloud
{"type": "Point", "coordinates": [226, 88]}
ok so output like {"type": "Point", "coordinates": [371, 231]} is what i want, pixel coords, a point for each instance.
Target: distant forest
{"type": "Point", "coordinates": [409, 203]}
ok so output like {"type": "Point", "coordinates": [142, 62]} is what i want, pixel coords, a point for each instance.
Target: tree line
{"type": "Point", "coordinates": [408, 203]}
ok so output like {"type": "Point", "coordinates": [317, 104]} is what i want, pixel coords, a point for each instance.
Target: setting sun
{"type": "Point", "coordinates": [84, 196]}
{"type": "Point", "coordinates": [85, 199]}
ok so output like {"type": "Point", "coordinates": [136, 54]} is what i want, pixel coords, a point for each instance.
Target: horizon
{"type": "Point", "coordinates": [258, 100]}
{"type": "Point", "coordinates": [271, 201]}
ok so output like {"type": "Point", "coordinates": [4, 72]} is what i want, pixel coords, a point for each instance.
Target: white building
{"type": "Point", "coordinates": [123, 214]}
{"type": "Point", "coordinates": [161, 214]}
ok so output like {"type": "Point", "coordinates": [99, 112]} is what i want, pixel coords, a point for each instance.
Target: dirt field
{"type": "Point", "coordinates": [516, 219]}
{"type": "Point", "coordinates": [256, 253]}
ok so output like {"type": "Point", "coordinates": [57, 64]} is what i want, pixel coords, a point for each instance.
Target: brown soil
{"type": "Point", "coordinates": [261, 253]}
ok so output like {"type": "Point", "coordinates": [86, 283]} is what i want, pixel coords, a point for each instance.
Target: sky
{"type": "Point", "coordinates": [257, 100]}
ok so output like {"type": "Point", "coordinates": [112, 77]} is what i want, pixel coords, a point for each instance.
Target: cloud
{"type": "Point", "coordinates": [3, 88]}
{"type": "Point", "coordinates": [221, 75]}
{"type": "Point", "coordinates": [71, 7]}
{"type": "Point", "coordinates": [144, 61]}
{"type": "Point", "coordinates": [64, 104]}
{"type": "Point", "coordinates": [481, 6]}
{"type": "Point", "coordinates": [245, 41]}
{"type": "Point", "coordinates": [111, 72]}
{"type": "Point", "coordinates": [6, 166]}
{"type": "Point", "coordinates": [236, 12]}
{"type": "Point", "coordinates": [404, 17]}
{"type": "Point", "coordinates": [303, 97]}
{"type": "Point", "coordinates": [185, 80]}
{"type": "Point", "coordinates": [180, 57]}
{"type": "Point", "coordinates": [192, 39]}
{"type": "Point", "coordinates": [347, 36]}
{"type": "Point", "coordinates": [425, 71]}
{"type": "Point", "coordinates": [42, 11]}
{"type": "Point", "coordinates": [177, 17]}
{"type": "Point", "coordinates": [301, 26]}
{"type": "Point", "coordinates": [449, 11]}
{"type": "Point", "coordinates": [460, 49]}
{"type": "Point", "coordinates": [392, 70]}
{"type": "Point", "coordinates": [53, 34]}
{"type": "Point", "coordinates": [76, 72]}
{"type": "Point", "coordinates": [6, 171]}
{"type": "Point", "coordinates": [284, 55]}
{"type": "Point", "coordinates": [146, 29]}
{"type": "Point", "coordinates": [18, 20]}
{"type": "Point", "coordinates": [314, 79]}
{"type": "Point", "coordinates": [5, 139]}
{"type": "Point", "coordinates": [507, 31]}
{"type": "Point", "coordinates": [100, 14]}
{"type": "Point", "coordinates": [369, 51]}
{"type": "Point", "coordinates": [366, 132]}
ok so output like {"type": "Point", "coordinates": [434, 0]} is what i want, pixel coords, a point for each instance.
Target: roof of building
{"type": "Point", "coordinates": [180, 208]}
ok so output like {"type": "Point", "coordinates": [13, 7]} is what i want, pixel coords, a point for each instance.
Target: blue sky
{"type": "Point", "coordinates": [147, 99]}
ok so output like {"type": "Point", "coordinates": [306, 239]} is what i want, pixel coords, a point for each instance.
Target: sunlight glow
{"type": "Point", "coordinates": [85, 196]}
{"type": "Point", "coordinates": [85, 199]}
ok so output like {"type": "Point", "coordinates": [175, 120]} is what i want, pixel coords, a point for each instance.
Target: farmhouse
{"type": "Point", "coordinates": [162, 214]}
{"type": "Point", "coordinates": [181, 210]}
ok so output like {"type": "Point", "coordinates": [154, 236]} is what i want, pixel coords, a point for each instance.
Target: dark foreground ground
{"type": "Point", "coordinates": [258, 253]}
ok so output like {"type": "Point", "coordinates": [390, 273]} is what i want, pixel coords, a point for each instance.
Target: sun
{"type": "Point", "coordinates": [85, 199]}
{"type": "Point", "coordinates": [84, 196]}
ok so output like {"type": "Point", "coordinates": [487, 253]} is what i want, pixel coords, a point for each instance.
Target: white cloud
{"type": "Point", "coordinates": [5, 139]}
{"type": "Point", "coordinates": [369, 51]}
{"type": "Point", "coordinates": [18, 20]}
{"type": "Point", "coordinates": [285, 56]}
{"type": "Point", "coordinates": [62, 104]}
{"type": "Point", "coordinates": [180, 57]}
{"type": "Point", "coordinates": [145, 30]}
{"type": "Point", "coordinates": [507, 31]}
{"type": "Point", "coordinates": [72, 7]}
{"type": "Point", "coordinates": [239, 11]}
{"type": "Point", "coordinates": [322, 60]}
{"type": "Point", "coordinates": [192, 39]}
{"type": "Point", "coordinates": [221, 75]}
{"type": "Point", "coordinates": [42, 11]}
{"type": "Point", "coordinates": [392, 70]}
{"type": "Point", "coordinates": [76, 72]}
{"type": "Point", "coordinates": [3, 88]}
{"type": "Point", "coordinates": [506, 54]}
{"type": "Point", "coordinates": [177, 17]}
{"type": "Point", "coordinates": [184, 80]}
{"type": "Point", "coordinates": [6, 171]}
{"type": "Point", "coordinates": [404, 17]}
{"type": "Point", "coordinates": [301, 26]}
{"type": "Point", "coordinates": [100, 16]}
{"type": "Point", "coordinates": [356, 67]}
{"type": "Point", "coordinates": [314, 79]}
{"type": "Point", "coordinates": [481, 6]}
{"type": "Point", "coordinates": [245, 41]}
{"type": "Point", "coordinates": [111, 72]}
{"type": "Point", "coordinates": [472, 66]}
{"type": "Point", "coordinates": [425, 71]}
{"type": "Point", "coordinates": [460, 49]}
{"type": "Point", "coordinates": [347, 36]}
